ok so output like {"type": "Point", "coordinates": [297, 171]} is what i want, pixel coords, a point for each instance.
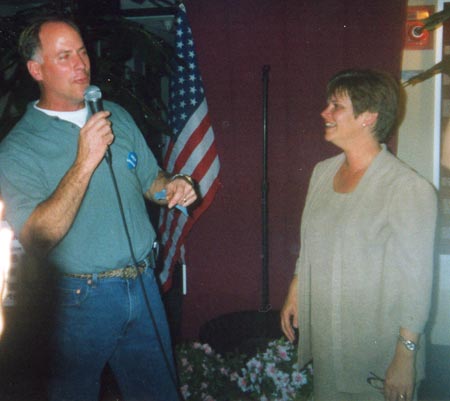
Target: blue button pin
{"type": "Point", "coordinates": [132, 160]}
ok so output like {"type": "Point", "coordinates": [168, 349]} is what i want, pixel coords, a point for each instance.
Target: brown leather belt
{"type": "Point", "coordinates": [127, 272]}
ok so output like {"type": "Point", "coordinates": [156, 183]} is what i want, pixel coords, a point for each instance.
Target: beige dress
{"type": "Point", "coordinates": [365, 270]}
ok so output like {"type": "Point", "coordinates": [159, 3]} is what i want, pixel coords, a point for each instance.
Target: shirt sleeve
{"type": "Point", "coordinates": [21, 188]}
{"type": "Point", "coordinates": [412, 217]}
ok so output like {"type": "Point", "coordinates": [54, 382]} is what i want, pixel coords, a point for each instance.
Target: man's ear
{"type": "Point", "coordinates": [34, 68]}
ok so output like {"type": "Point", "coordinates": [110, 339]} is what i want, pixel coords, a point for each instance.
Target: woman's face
{"type": "Point", "coordinates": [341, 126]}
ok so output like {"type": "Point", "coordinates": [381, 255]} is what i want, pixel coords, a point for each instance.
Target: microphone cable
{"type": "Point", "coordinates": [172, 374]}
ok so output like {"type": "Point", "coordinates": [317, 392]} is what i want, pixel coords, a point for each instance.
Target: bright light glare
{"type": "Point", "coordinates": [5, 264]}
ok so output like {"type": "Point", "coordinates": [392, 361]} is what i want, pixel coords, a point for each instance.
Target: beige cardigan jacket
{"type": "Point", "coordinates": [382, 269]}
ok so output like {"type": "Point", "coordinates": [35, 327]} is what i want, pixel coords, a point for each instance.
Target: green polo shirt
{"type": "Point", "coordinates": [36, 155]}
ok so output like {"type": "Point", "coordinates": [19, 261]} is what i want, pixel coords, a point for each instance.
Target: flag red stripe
{"type": "Point", "coordinates": [207, 200]}
{"type": "Point", "coordinates": [194, 140]}
{"type": "Point", "coordinates": [203, 167]}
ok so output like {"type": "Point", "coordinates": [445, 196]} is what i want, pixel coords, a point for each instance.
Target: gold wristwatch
{"type": "Point", "coordinates": [184, 177]}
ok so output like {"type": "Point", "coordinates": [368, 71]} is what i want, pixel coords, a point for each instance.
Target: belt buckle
{"type": "Point", "coordinates": [131, 272]}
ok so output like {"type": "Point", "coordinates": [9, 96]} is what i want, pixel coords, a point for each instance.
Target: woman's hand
{"type": "Point", "coordinates": [289, 312]}
{"type": "Point", "coordinates": [400, 375]}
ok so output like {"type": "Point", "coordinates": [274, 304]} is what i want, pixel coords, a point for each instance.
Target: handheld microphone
{"type": "Point", "coordinates": [93, 97]}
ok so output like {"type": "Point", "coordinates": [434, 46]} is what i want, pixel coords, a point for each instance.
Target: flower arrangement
{"type": "Point", "coordinates": [270, 375]}
{"type": "Point", "coordinates": [205, 375]}
{"type": "Point", "coordinates": [274, 375]}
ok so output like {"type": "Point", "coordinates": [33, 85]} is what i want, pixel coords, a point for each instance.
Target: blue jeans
{"type": "Point", "coordinates": [106, 320]}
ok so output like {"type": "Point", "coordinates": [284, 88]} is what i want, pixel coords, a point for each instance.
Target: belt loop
{"type": "Point", "coordinates": [94, 279]}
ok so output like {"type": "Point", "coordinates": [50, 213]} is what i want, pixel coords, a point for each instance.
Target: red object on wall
{"type": "Point", "coordinates": [417, 38]}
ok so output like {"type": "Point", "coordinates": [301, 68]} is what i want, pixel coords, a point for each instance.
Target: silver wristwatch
{"type": "Point", "coordinates": [409, 345]}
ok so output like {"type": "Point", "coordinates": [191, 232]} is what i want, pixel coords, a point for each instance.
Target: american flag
{"type": "Point", "coordinates": [192, 148]}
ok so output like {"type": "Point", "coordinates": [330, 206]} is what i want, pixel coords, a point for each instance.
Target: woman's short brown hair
{"type": "Point", "coordinates": [373, 91]}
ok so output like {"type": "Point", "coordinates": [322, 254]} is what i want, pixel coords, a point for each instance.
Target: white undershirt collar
{"type": "Point", "coordinates": [77, 117]}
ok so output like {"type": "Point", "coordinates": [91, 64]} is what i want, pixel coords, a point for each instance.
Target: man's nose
{"type": "Point", "coordinates": [80, 61]}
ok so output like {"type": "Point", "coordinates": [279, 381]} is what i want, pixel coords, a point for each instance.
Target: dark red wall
{"type": "Point", "coordinates": [304, 42]}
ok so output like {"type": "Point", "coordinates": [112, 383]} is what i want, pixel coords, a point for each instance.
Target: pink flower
{"type": "Point", "coordinates": [185, 391]}
{"type": "Point", "coordinates": [208, 350]}
{"type": "Point", "coordinates": [282, 353]}
{"type": "Point", "coordinates": [270, 369]}
{"type": "Point", "coordinates": [299, 378]}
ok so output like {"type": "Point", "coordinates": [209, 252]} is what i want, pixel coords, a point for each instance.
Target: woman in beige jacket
{"type": "Point", "coordinates": [361, 292]}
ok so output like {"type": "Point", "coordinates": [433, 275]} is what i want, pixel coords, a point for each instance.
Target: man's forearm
{"type": "Point", "coordinates": [52, 219]}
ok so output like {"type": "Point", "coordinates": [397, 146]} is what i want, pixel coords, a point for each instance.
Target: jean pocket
{"type": "Point", "coordinates": [72, 293]}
